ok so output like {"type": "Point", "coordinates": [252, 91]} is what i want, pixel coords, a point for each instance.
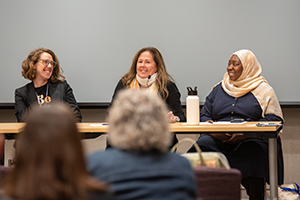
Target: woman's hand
{"type": "Point", "coordinates": [236, 138]}
{"type": "Point", "coordinates": [172, 117]}
{"type": "Point", "coordinates": [224, 137]}
{"type": "Point", "coordinates": [229, 138]}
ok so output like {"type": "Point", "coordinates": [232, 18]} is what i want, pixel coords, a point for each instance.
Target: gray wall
{"type": "Point", "coordinates": [95, 41]}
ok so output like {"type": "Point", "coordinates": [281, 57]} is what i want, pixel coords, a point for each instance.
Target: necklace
{"type": "Point", "coordinates": [41, 99]}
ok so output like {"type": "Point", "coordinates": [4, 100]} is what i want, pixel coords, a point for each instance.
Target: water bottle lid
{"type": "Point", "coordinates": [191, 91]}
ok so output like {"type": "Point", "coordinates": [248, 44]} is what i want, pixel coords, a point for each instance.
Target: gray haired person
{"type": "Point", "coordinates": [139, 166]}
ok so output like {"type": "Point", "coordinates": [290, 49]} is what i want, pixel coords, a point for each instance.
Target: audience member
{"type": "Point", "coordinates": [2, 141]}
{"type": "Point", "coordinates": [140, 166]}
{"type": "Point", "coordinates": [50, 162]}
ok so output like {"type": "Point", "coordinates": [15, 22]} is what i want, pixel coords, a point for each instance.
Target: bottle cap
{"type": "Point", "coordinates": [191, 91]}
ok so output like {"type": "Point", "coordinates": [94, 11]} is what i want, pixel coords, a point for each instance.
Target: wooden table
{"type": "Point", "coordinates": [249, 128]}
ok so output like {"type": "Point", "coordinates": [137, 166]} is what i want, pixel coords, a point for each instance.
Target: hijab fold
{"type": "Point", "coordinates": [251, 81]}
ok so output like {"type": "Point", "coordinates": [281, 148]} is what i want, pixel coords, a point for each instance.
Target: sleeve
{"type": "Point", "coordinates": [70, 99]}
{"type": "Point", "coordinates": [21, 105]}
{"type": "Point", "coordinates": [207, 109]}
{"type": "Point", "coordinates": [271, 117]}
{"type": "Point", "coordinates": [119, 87]}
{"type": "Point", "coordinates": [173, 101]}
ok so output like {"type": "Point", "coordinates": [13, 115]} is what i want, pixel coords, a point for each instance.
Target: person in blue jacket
{"type": "Point", "coordinates": [243, 93]}
{"type": "Point", "coordinates": [140, 165]}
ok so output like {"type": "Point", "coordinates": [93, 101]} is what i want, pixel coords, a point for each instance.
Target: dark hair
{"type": "Point", "coordinates": [28, 70]}
{"type": "Point", "coordinates": [50, 161]}
{"type": "Point", "coordinates": [162, 77]}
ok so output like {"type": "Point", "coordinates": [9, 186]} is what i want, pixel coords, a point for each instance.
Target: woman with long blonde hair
{"type": "Point", "coordinates": [148, 72]}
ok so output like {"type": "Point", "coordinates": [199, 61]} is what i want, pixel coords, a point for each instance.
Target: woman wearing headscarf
{"type": "Point", "coordinates": [243, 93]}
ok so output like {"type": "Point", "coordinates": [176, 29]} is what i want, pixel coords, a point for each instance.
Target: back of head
{"type": "Point", "coordinates": [50, 136]}
{"type": "Point", "coordinates": [138, 121]}
{"type": "Point", "coordinates": [49, 156]}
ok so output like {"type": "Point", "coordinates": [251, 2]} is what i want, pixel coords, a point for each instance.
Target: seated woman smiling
{"type": "Point", "coordinates": [243, 93]}
{"type": "Point", "coordinates": [148, 72]}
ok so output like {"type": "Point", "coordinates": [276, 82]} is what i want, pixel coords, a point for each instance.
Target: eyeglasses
{"type": "Point", "coordinates": [47, 62]}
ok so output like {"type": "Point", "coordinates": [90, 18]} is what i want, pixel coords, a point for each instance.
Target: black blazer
{"type": "Point", "coordinates": [25, 98]}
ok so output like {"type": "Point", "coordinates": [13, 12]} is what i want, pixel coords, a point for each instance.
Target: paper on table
{"type": "Point", "coordinates": [191, 124]}
{"type": "Point", "coordinates": [228, 122]}
{"type": "Point", "coordinates": [98, 124]}
{"type": "Point", "coordinates": [218, 123]}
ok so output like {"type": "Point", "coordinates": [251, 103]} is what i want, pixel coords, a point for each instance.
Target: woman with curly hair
{"type": "Point", "coordinates": [47, 84]}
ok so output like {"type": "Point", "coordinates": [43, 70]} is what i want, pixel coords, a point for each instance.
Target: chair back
{"type": "Point", "coordinates": [218, 183]}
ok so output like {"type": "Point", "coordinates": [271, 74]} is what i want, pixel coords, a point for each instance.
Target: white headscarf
{"type": "Point", "coordinates": [251, 81]}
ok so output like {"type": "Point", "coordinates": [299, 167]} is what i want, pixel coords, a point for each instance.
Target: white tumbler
{"type": "Point", "coordinates": [192, 107]}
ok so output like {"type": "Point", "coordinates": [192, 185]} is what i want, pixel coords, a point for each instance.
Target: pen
{"type": "Point", "coordinates": [267, 124]}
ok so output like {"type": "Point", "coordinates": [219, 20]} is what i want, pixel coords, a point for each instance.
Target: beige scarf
{"type": "Point", "coordinates": [252, 81]}
{"type": "Point", "coordinates": [135, 85]}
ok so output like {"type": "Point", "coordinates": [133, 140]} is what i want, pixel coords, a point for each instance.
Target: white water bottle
{"type": "Point", "coordinates": [192, 107]}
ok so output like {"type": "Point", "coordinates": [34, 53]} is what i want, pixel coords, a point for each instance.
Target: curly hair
{"type": "Point", "coordinates": [138, 122]}
{"type": "Point", "coordinates": [28, 70]}
{"type": "Point", "coordinates": [162, 75]}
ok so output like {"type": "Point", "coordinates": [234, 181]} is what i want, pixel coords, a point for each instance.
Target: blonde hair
{"type": "Point", "coordinates": [138, 122]}
{"type": "Point", "coordinates": [162, 77]}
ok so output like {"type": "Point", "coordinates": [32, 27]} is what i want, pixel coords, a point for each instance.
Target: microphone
{"type": "Point", "coordinates": [148, 80]}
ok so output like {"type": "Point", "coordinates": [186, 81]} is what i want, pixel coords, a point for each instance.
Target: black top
{"type": "Point", "coordinates": [173, 99]}
{"type": "Point", "coordinates": [25, 98]}
{"type": "Point", "coordinates": [42, 90]}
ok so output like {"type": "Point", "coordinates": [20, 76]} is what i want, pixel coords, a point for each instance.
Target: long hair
{"type": "Point", "coordinates": [29, 72]}
{"type": "Point", "coordinates": [138, 121]}
{"type": "Point", "coordinates": [162, 77]}
{"type": "Point", "coordinates": [50, 162]}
